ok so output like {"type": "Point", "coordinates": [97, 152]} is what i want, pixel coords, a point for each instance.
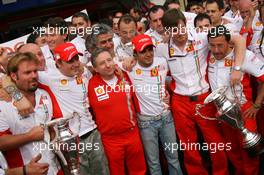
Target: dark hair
{"type": "Point", "coordinates": [172, 17]}
{"type": "Point", "coordinates": [218, 31]}
{"type": "Point", "coordinates": [136, 9]}
{"type": "Point", "coordinates": [168, 2]}
{"type": "Point", "coordinates": [126, 19]}
{"type": "Point", "coordinates": [200, 17]}
{"type": "Point", "coordinates": [95, 54]}
{"type": "Point", "coordinates": [220, 3]}
{"type": "Point", "coordinates": [57, 22]}
{"type": "Point", "coordinates": [81, 14]}
{"type": "Point", "coordinates": [154, 9]}
{"type": "Point", "coordinates": [259, 9]}
{"type": "Point", "coordinates": [33, 36]}
{"type": "Point", "coordinates": [190, 4]}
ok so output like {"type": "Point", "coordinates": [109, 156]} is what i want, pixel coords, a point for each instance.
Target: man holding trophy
{"type": "Point", "coordinates": [221, 63]}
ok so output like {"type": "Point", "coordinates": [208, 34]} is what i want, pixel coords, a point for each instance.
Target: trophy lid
{"type": "Point", "coordinates": [214, 95]}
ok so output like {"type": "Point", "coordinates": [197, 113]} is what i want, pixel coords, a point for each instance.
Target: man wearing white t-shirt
{"type": "Point", "coordinates": [154, 116]}
{"type": "Point", "coordinates": [220, 66]}
{"type": "Point", "coordinates": [21, 137]}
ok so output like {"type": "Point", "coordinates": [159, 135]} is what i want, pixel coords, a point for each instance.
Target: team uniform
{"type": "Point", "coordinates": [156, 37]}
{"type": "Point", "coordinates": [154, 117]}
{"type": "Point", "coordinates": [219, 75]}
{"type": "Point", "coordinates": [190, 87]}
{"type": "Point", "coordinates": [70, 95]}
{"type": "Point", "coordinates": [115, 117]}
{"type": "Point", "coordinates": [11, 123]}
{"type": "Point", "coordinates": [79, 43]}
{"type": "Point", "coordinates": [122, 51]}
{"type": "Point", "coordinates": [235, 18]}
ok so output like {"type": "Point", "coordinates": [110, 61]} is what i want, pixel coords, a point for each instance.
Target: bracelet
{"type": "Point", "coordinates": [24, 170]}
{"type": "Point", "coordinates": [256, 106]}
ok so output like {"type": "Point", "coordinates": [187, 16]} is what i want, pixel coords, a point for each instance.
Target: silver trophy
{"type": "Point", "coordinates": [65, 143]}
{"type": "Point", "coordinates": [230, 112]}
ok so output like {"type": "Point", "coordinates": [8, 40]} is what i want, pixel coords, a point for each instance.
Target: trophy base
{"type": "Point", "coordinates": [255, 149]}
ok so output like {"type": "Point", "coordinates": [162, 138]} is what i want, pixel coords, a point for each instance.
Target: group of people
{"type": "Point", "coordinates": [135, 84]}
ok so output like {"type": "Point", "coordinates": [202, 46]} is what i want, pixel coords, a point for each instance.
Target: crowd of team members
{"type": "Point", "coordinates": [135, 82]}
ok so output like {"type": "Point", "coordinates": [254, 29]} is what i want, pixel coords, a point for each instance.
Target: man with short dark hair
{"type": "Point", "coordinates": [156, 30]}
{"type": "Point", "coordinates": [220, 65]}
{"type": "Point", "coordinates": [202, 22]}
{"type": "Point", "coordinates": [82, 24]}
{"type": "Point", "coordinates": [187, 58]}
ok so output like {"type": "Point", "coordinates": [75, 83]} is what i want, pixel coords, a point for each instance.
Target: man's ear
{"type": "Point", "coordinates": [13, 76]}
{"type": "Point", "coordinates": [64, 36]}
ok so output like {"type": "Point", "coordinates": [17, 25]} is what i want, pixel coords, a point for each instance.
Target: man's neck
{"type": "Point", "coordinates": [230, 49]}
{"type": "Point", "coordinates": [219, 22]}
{"type": "Point", "coordinates": [180, 45]}
{"type": "Point", "coordinates": [108, 78]}
{"type": "Point", "coordinates": [30, 96]}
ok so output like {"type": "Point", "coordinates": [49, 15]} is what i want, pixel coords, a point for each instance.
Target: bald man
{"type": "Point", "coordinates": [35, 49]}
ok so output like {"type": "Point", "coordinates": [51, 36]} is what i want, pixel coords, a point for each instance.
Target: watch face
{"type": "Point", "coordinates": [17, 96]}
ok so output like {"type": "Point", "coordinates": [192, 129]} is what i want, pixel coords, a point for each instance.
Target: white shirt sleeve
{"type": "Point", "coordinates": [253, 65]}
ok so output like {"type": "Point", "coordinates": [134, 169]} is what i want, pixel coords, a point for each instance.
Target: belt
{"type": "Point", "coordinates": [87, 134]}
{"type": "Point", "coordinates": [195, 98]}
{"type": "Point", "coordinates": [151, 117]}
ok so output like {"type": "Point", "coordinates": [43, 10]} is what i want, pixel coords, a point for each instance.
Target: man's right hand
{"type": "Point", "coordinates": [36, 133]}
{"type": "Point", "coordinates": [129, 63]}
{"type": "Point", "coordinates": [35, 168]}
{"type": "Point", "coordinates": [24, 106]}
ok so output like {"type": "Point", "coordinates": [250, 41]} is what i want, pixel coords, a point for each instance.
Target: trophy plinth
{"type": "Point", "coordinates": [230, 113]}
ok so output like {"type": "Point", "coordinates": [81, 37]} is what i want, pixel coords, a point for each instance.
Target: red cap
{"type": "Point", "coordinates": [140, 42]}
{"type": "Point", "coordinates": [65, 52]}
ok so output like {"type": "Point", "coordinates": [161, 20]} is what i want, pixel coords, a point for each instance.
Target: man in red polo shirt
{"type": "Point", "coordinates": [110, 97]}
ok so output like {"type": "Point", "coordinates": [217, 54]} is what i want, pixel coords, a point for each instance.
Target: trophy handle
{"type": "Point", "coordinates": [197, 109]}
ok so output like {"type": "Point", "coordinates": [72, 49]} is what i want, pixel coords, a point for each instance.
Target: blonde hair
{"type": "Point", "coordinates": [17, 59]}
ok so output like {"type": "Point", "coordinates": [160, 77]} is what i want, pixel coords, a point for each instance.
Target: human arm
{"type": "Point", "coordinates": [8, 141]}
{"type": "Point", "coordinates": [240, 50]}
{"type": "Point", "coordinates": [33, 168]}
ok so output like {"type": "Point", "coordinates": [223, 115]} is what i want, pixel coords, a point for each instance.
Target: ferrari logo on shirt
{"type": "Point", "coordinates": [79, 80]}
{"type": "Point", "coordinates": [157, 43]}
{"type": "Point", "coordinates": [190, 47]}
{"type": "Point", "coordinates": [154, 72]}
{"type": "Point", "coordinates": [171, 51]}
{"type": "Point", "coordinates": [228, 63]}
{"type": "Point", "coordinates": [138, 72]}
{"type": "Point", "coordinates": [64, 82]}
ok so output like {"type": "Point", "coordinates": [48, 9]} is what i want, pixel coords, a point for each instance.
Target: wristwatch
{"type": "Point", "coordinates": [17, 96]}
{"type": "Point", "coordinates": [237, 68]}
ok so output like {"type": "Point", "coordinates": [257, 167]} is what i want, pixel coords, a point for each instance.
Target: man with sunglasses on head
{"type": "Point", "coordinates": [155, 119]}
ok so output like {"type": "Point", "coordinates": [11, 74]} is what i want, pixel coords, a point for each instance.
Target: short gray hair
{"type": "Point", "coordinates": [95, 54]}
{"type": "Point", "coordinates": [98, 29]}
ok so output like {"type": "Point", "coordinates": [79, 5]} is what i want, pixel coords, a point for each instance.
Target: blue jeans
{"type": "Point", "coordinates": [151, 129]}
